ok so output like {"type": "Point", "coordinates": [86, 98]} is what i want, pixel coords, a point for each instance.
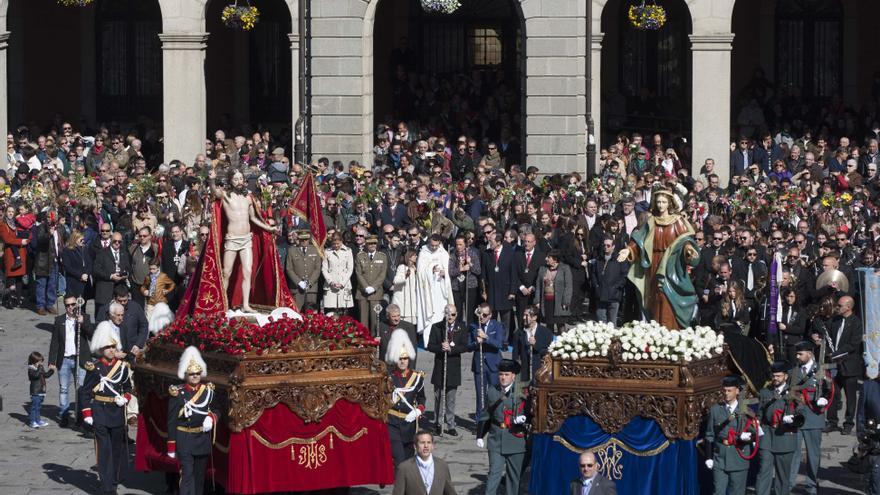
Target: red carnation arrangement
{"type": "Point", "coordinates": [238, 336]}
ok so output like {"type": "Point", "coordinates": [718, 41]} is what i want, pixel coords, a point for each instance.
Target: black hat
{"type": "Point", "coordinates": [780, 367]}
{"type": "Point", "coordinates": [732, 381]}
{"type": "Point", "coordinates": [508, 365]}
{"type": "Point", "coordinates": [804, 345]}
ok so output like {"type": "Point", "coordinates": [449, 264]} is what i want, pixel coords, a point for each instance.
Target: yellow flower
{"type": "Point", "coordinates": [846, 197]}
{"type": "Point", "coordinates": [825, 202]}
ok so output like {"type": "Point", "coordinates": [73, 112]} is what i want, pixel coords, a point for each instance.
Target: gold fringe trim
{"type": "Point", "coordinates": [308, 441]}
{"type": "Point", "coordinates": [613, 441]}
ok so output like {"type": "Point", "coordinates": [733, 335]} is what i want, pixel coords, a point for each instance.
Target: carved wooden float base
{"type": "Point", "coordinates": [675, 395]}
{"type": "Point", "coordinates": [309, 381]}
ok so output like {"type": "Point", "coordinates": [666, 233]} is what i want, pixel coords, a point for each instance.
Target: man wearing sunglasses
{"type": "Point", "coordinates": [590, 481]}
{"type": "Point", "coordinates": [111, 268]}
{"type": "Point", "coordinates": [486, 343]}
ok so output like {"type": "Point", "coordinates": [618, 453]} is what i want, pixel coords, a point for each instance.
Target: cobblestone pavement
{"type": "Point", "coordinates": [59, 461]}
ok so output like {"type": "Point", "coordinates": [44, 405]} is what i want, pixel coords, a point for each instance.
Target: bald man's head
{"type": "Point", "coordinates": [588, 465]}
{"type": "Point", "coordinates": [845, 306]}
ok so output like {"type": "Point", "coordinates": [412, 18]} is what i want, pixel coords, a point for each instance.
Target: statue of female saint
{"type": "Point", "coordinates": [660, 252]}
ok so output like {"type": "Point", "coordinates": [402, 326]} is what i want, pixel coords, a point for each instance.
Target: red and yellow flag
{"type": "Point", "coordinates": [307, 206]}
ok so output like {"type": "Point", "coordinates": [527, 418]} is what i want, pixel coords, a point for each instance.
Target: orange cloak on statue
{"type": "Point", "coordinates": [205, 291]}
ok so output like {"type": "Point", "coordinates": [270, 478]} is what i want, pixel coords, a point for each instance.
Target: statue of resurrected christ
{"type": "Point", "coordinates": [238, 208]}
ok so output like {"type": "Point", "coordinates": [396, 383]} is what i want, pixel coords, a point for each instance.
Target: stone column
{"type": "Point", "coordinates": [183, 95]}
{"type": "Point", "coordinates": [711, 101]}
{"type": "Point", "coordinates": [596, 89]}
{"type": "Point", "coordinates": [4, 94]}
{"type": "Point", "coordinates": [294, 76]}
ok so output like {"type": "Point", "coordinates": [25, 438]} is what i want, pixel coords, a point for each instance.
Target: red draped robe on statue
{"type": "Point", "coordinates": [268, 285]}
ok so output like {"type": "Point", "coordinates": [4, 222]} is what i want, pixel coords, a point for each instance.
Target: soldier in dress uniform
{"type": "Point", "coordinates": [408, 398]}
{"type": "Point", "coordinates": [303, 269]}
{"type": "Point", "coordinates": [191, 421]}
{"type": "Point", "coordinates": [504, 419]}
{"type": "Point", "coordinates": [780, 420]}
{"type": "Point", "coordinates": [814, 403]}
{"type": "Point", "coordinates": [370, 268]}
{"type": "Point", "coordinates": [731, 433]}
{"type": "Point", "coordinates": [106, 391]}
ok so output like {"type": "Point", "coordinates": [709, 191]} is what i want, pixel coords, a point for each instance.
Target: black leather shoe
{"type": "Point", "coordinates": [64, 422]}
{"type": "Point", "coordinates": [437, 430]}
{"type": "Point", "coordinates": [452, 433]}
{"type": "Point", "coordinates": [847, 430]}
{"type": "Point", "coordinates": [830, 428]}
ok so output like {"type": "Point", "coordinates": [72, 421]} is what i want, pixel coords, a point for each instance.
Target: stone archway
{"type": "Point", "coordinates": [342, 81]}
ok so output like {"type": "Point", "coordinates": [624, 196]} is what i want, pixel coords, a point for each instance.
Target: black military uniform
{"type": "Point", "coordinates": [107, 388]}
{"type": "Point", "coordinates": [408, 396]}
{"type": "Point", "coordinates": [188, 406]}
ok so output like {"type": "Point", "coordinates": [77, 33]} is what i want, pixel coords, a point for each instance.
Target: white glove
{"type": "Point", "coordinates": [519, 420]}
{"type": "Point", "coordinates": [746, 436]}
{"type": "Point", "coordinates": [120, 400]}
{"type": "Point", "coordinates": [412, 415]}
{"type": "Point", "coordinates": [822, 402]}
{"type": "Point", "coordinates": [710, 463]}
{"type": "Point", "coordinates": [369, 290]}
{"type": "Point", "coordinates": [172, 455]}
{"type": "Point", "coordinates": [480, 443]}
{"type": "Point", "coordinates": [303, 285]}
{"type": "Point", "coordinates": [89, 421]}
{"type": "Point", "coordinates": [208, 424]}
{"type": "Point", "coordinates": [788, 419]}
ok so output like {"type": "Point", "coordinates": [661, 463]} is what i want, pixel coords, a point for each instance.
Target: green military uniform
{"type": "Point", "coordinates": [370, 270]}
{"type": "Point", "coordinates": [303, 265]}
{"type": "Point", "coordinates": [729, 470]}
{"type": "Point", "coordinates": [810, 434]}
{"type": "Point", "coordinates": [779, 440]}
{"type": "Point", "coordinates": [507, 442]}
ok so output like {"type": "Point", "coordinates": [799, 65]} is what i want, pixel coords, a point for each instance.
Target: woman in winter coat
{"type": "Point", "coordinates": [406, 287]}
{"type": "Point", "coordinates": [77, 265]}
{"type": "Point", "coordinates": [554, 291]}
{"type": "Point", "coordinates": [337, 268]}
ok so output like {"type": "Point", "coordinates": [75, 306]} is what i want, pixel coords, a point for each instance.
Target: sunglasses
{"type": "Point", "coordinates": [69, 305]}
{"type": "Point", "coordinates": [117, 241]}
{"type": "Point", "coordinates": [587, 465]}
{"type": "Point", "coordinates": [453, 314]}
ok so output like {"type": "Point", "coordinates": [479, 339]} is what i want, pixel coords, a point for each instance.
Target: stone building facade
{"type": "Point", "coordinates": [551, 50]}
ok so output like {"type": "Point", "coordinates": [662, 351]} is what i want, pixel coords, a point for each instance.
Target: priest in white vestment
{"type": "Point", "coordinates": [435, 287]}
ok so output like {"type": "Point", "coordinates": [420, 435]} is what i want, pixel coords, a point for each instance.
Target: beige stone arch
{"type": "Point", "coordinates": [342, 81]}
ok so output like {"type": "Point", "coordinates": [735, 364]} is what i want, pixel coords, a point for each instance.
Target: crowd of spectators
{"type": "Point", "coordinates": [93, 215]}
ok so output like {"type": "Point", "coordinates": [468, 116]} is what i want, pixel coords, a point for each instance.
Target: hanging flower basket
{"type": "Point", "coordinates": [243, 17]}
{"type": "Point", "coordinates": [440, 6]}
{"type": "Point", "coordinates": [74, 3]}
{"type": "Point", "coordinates": [648, 17]}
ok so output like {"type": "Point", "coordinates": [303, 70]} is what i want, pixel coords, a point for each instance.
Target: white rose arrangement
{"type": "Point", "coordinates": [641, 341]}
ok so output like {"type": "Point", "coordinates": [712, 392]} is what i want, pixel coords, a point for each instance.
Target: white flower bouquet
{"type": "Point", "coordinates": [640, 341]}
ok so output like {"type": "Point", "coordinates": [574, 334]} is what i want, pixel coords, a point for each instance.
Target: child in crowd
{"type": "Point", "coordinates": [37, 376]}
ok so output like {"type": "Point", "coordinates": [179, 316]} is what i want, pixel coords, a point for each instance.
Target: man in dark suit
{"type": "Point", "coordinates": [101, 242]}
{"type": "Point", "coordinates": [69, 351]}
{"type": "Point", "coordinates": [845, 351]}
{"type": "Point", "coordinates": [112, 266]}
{"type": "Point", "coordinates": [766, 153]}
{"type": "Point", "coordinates": [499, 270]}
{"type": "Point", "coordinates": [607, 278]}
{"type": "Point", "coordinates": [740, 158]}
{"type": "Point", "coordinates": [133, 326]}
{"type": "Point", "coordinates": [412, 473]}
{"type": "Point", "coordinates": [393, 212]}
{"type": "Point", "coordinates": [590, 481]}
{"type": "Point", "coordinates": [869, 410]}
{"type": "Point", "coordinates": [527, 264]}
{"type": "Point", "coordinates": [485, 342]}
{"type": "Point", "coordinates": [172, 251]}
{"type": "Point", "coordinates": [448, 340]}
{"type": "Point", "coordinates": [392, 313]}
{"type": "Point", "coordinates": [531, 343]}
